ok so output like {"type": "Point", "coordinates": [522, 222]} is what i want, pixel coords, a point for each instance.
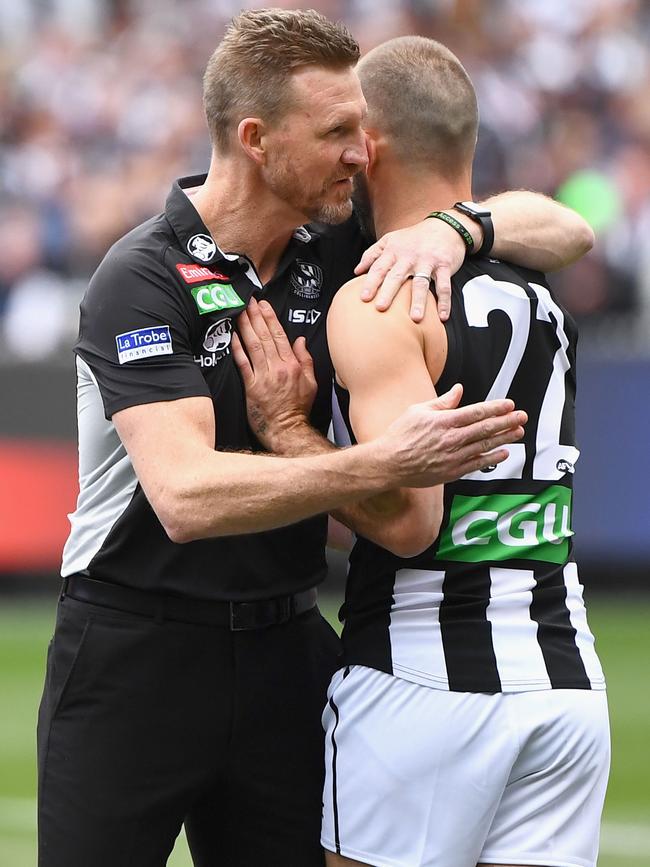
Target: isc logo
{"type": "Point", "coordinates": [309, 317]}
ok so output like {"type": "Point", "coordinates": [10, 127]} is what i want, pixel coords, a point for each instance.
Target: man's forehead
{"type": "Point", "coordinates": [328, 90]}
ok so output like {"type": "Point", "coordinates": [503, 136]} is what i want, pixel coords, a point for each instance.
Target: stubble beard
{"type": "Point", "coordinates": [282, 179]}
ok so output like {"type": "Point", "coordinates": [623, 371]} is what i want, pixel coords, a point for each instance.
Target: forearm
{"type": "Point", "coordinates": [244, 493]}
{"type": "Point", "coordinates": [299, 440]}
{"type": "Point", "coordinates": [532, 230]}
{"type": "Point", "coordinates": [378, 518]}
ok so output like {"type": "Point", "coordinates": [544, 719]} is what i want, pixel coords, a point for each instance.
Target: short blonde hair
{"type": "Point", "coordinates": [249, 73]}
{"type": "Point", "coordinates": [422, 99]}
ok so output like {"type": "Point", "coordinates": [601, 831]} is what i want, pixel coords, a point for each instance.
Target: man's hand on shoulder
{"type": "Point", "coordinates": [429, 250]}
{"type": "Point", "coordinates": [531, 230]}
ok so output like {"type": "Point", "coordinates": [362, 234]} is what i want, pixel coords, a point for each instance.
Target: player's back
{"type": "Point", "coordinates": [495, 603]}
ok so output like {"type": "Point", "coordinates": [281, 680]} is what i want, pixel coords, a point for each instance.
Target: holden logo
{"type": "Point", "coordinates": [306, 279]}
{"type": "Point", "coordinates": [564, 466]}
{"type": "Point", "coordinates": [217, 337]}
{"type": "Point", "coordinates": [202, 247]}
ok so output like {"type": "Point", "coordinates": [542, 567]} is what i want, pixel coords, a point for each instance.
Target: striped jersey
{"type": "Point", "coordinates": [495, 604]}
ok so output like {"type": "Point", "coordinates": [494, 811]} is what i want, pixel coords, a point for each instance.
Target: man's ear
{"type": "Point", "coordinates": [251, 133]}
{"type": "Point", "coordinates": [371, 147]}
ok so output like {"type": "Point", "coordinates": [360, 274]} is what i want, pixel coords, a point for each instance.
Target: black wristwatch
{"type": "Point", "coordinates": [482, 216]}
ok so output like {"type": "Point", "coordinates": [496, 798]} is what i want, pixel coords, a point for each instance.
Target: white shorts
{"type": "Point", "coordinates": [421, 777]}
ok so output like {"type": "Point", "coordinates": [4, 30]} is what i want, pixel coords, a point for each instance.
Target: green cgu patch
{"type": "Point", "coordinates": [509, 526]}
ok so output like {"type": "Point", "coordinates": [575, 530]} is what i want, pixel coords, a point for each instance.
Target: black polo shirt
{"type": "Point", "coordinates": [156, 325]}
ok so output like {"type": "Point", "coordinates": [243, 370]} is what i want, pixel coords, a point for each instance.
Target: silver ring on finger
{"type": "Point", "coordinates": [423, 274]}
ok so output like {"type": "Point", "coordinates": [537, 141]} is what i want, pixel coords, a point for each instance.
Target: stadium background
{"type": "Point", "coordinates": [100, 109]}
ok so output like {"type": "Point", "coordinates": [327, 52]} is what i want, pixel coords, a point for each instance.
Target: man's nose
{"type": "Point", "coordinates": [356, 154]}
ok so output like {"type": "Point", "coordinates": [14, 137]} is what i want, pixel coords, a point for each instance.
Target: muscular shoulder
{"type": "Point", "coordinates": [360, 336]}
{"type": "Point", "coordinates": [347, 302]}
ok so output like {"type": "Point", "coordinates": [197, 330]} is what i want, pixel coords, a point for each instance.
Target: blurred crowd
{"type": "Point", "coordinates": [100, 109]}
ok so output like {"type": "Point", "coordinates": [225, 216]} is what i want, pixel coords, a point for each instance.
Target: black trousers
{"type": "Point", "coordinates": [145, 725]}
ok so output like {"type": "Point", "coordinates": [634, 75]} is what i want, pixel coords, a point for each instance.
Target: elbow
{"type": "Point", "coordinates": [407, 545]}
{"type": "Point", "coordinates": [405, 549]}
{"type": "Point", "coordinates": [586, 237]}
{"type": "Point", "coordinates": [175, 524]}
{"type": "Point", "coordinates": [178, 533]}
{"type": "Point", "coordinates": [412, 537]}
{"type": "Point", "coordinates": [579, 240]}
{"type": "Point", "coordinates": [179, 516]}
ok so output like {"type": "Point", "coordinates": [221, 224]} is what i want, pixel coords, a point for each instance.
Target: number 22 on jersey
{"type": "Point", "coordinates": [481, 296]}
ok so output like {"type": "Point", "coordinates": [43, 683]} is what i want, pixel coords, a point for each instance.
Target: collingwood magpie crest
{"type": "Point", "coordinates": [306, 280]}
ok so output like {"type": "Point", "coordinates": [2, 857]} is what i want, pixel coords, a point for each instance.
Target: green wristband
{"type": "Point", "coordinates": [455, 224]}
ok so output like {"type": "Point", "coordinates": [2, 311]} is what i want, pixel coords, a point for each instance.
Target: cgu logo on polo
{"type": "Point", "coordinates": [215, 297]}
{"type": "Point", "coordinates": [509, 526]}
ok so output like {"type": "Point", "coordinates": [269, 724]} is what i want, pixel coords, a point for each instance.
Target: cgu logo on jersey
{"type": "Point", "coordinates": [216, 342]}
{"type": "Point", "coordinates": [309, 317]}
{"type": "Point", "coordinates": [306, 279]}
{"type": "Point", "coordinates": [509, 526]}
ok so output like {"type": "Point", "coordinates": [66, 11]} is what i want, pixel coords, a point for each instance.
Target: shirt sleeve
{"type": "Point", "coordinates": [136, 333]}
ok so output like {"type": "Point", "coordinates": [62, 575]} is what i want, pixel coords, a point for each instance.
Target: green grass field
{"type": "Point", "coordinates": [623, 640]}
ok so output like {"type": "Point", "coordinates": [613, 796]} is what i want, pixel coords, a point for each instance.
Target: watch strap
{"type": "Point", "coordinates": [455, 224]}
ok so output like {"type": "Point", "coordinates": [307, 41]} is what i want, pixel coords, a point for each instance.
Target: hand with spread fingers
{"type": "Point", "coordinates": [278, 377]}
{"type": "Point", "coordinates": [430, 250]}
{"type": "Point", "coordinates": [435, 442]}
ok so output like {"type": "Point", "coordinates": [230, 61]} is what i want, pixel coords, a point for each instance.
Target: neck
{"type": "Point", "coordinates": [243, 217]}
{"type": "Point", "coordinates": [402, 197]}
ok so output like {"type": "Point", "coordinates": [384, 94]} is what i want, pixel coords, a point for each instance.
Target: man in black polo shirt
{"type": "Point", "coordinates": [189, 663]}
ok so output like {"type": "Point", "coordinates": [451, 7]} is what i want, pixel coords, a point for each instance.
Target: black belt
{"type": "Point", "coordinates": [235, 616]}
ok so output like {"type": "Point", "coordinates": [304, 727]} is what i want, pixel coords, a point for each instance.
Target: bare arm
{"type": "Point", "coordinates": [198, 492]}
{"type": "Point", "coordinates": [272, 373]}
{"type": "Point", "coordinates": [530, 229]}
{"type": "Point", "coordinates": [533, 230]}
{"type": "Point", "coordinates": [379, 359]}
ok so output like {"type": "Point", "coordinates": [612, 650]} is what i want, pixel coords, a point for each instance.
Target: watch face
{"type": "Point", "coordinates": [472, 210]}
